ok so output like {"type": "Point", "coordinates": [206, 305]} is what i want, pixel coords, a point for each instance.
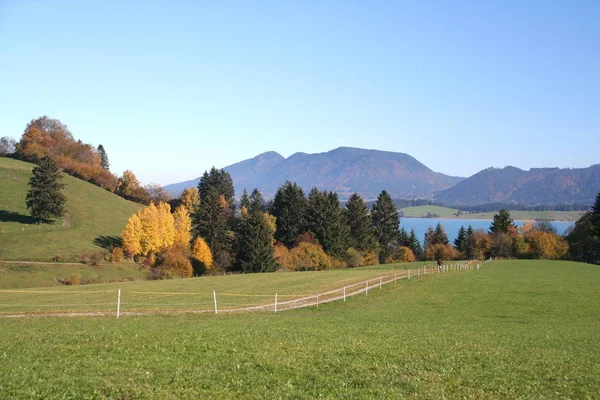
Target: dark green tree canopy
{"type": "Point", "coordinates": [103, 158]}
{"type": "Point", "coordinates": [595, 216]}
{"type": "Point", "coordinates": [414, 244]}
{"type": "Point", "coordinates": [45, 199]}
{"type": "Point", "coordinates": [289, 207]}
{"type": "Point", "coordinates": [386, 222]}
{"type": "Point", "coordinates": [221, 182]}
{"type": "Point", "coordinates": [361, 235]}
{"type": "Point", "coordinates": [436, 236]}
{"type": "Point", "coordinates": [460, 239]}
{"type": "Point", "coordinates": [584, 244]}
{"type": "Point", "coordinates": [325, 221]}
{"type": "Point", "coordinates": [244, 200]}
{"type": "Point", "coordinates": [502, 222]}
{"type": "Point", "coordinates": [256, 201]}
{"type": "Point", "coordinates": [255, 251]}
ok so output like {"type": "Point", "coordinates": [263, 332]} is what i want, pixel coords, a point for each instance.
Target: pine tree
{"type": "Point", "coordinates": [289, 207]}
{"type": "Point", "coordinates": [221, 182]}
{"type": "Point", "coordinates": [502, 222]}
{"type": "Point", "coordinates": [244, 200]}
{"type": "Point", "coordinates": [325, 221]}
{"type": "Point", "coordinates": [45, 199]}
{"type": "Point", "coordinates": [440, 235]}
{"type": "Point", "coordinates": [403, 238]}
{"type": "Point", "coordinates": [255, 251]}
{"type": "Point", "coordinates": [460, 239]}
{"type": "Point", "coordinates": [414, 244]}
{"type": "Point", "coordinates": [595, 216]}
{"type": "Point", "coordinates": [386, 223]}
{"type": "Point", "coordinates": [103, 158]}
{"type": "Point", "coordinates": [257, 203]}
{"type": "Point", "coordinates": [469, 243]}
{"type": "Point", "coordinates": [361, 236]}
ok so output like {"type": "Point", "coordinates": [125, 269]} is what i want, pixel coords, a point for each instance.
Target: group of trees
{"type": "Point", "coordinates": [48, 137]}
{"type": "Point", "coordinates": [584, 238]}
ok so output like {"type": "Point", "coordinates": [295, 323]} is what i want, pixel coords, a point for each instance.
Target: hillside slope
{"type": "Point", "coordinates": [344, 170]}
{"type": "Point", "coordinates": [96, 215]}
{"type": "Point", "coordinates": [532, 187]}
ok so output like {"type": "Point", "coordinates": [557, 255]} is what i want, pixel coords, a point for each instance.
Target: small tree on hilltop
{"type": "Point", "coordinates": [45, 199]}
{"type": "Point", "coordinates": [103, 158]}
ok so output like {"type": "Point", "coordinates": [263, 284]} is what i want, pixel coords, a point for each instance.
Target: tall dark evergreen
{"type": "Point", "coordinates": [502, 222]}
{"type": "Point", "coordinates": [460, 239]}
{"type": "Point", "coordinates": [244, 200]}
{"type": "Point", "coordinates": [325, 221]}
{"type": "Point", "coordinates": [103, 158]}
{"type": "Point", "coordinates": [403, 238]}
{"type": "Point", "coordinates": [386, 223]}
{"type": "Point", "coordinates": [257, 202]}
{"type": "Point", "coordinates": [440, 234]}
{"type": "Point", "coordinates": [255, 251]}
{"type": "Point", "coordinates": [45, 199]}
{"type": "Point", "coordinates": [595, 216]}
{"type": "Point", "coordinates": [214, 219]}
{"type": "Point", "coordinates": [289, 207]}
{"type": "Point", "coordinates": [584, 245]}
{"type": "Point", "coordinates": [414, 244]}
{"type": "Point", "coordinates": [469, 243]}
{"type": "Point", "coordinates": [358, 219]}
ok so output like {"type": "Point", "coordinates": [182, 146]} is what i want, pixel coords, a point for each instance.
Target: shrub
{"type": "Point", "coordinates": [370, 258]}
{"type": "Point", "coordinates": [310, 256]}
{"type": "Point", "coordinates": [57, 258]}
{"type": "Point", "coordinates": [175, 265]}
{"type": "Point", "coordinates": [97, 257]}
{"type": "Point", "coordinates": [201, 252]}
{"type": "Point", "coordinates": [441, 251]}
{"type": "Point", "coordinates": [74, 279]}
{"type": "Point", "coordinates": [353, 258]}
{"type": "Point", "coordinates": [117, 254]}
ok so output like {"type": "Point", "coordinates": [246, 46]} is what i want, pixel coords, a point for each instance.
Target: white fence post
{"type": "Point", "coordinates": [215, 299]}
{"type": "Point", "coordinates": [395, 276]}
{"type": "Point", "coordinates": [366, 288]}
{"type": "Point", "coordinates": [344, 294]}
{"type": "Point", "coordinates": [418, 271]}
{"type": "Point", "coordinates": [409, 274]}
{"type": "Point", "coordinates": [317, 300]}
{"type": "Point", "coordinates": [380, 281]}
{"type": "Point", "coordinates": [118, 303]}
{"type": "Point", "coordinates": [275, 302]}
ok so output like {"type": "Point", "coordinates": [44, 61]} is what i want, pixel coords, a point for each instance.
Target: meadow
{"type": "Point", "coordinates": [445, 212]}
{"type": "Point", "coordinates": [513, 329]}
{"type": "Point", "coordinates": [95, 219]}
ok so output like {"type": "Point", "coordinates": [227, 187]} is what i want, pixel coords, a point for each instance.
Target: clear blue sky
{"type": "Point", "coordinates": [171, 88]}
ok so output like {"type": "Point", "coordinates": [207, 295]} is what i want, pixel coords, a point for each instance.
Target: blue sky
{"type": "Point", "coordinates": [171, 88]}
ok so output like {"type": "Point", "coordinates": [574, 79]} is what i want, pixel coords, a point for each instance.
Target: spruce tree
{"type": "Point", "coordinates": [414, 244]}
{"type": "Point", "coordinates": [257, 203]}
{"type": "Point", "coordinates": [403, 238]}
{"type": "Point", "coordinates": [386, 223]}
{"type": "Point", "coordinates": [440, 235]}
{"type": "Point", "coordinates": [255, 251]}
{"type": "Point", "coordinates": [469, 243]}
{"type": "Point", "coordinates": [220, 180]}
{"type": "Point", "coordinates": [244, 200]}
{"type": "Point", "coordinates": [103, 157]}
{"type": "Point", "coordinates": [361, 236]}
{"type": "Point", "coordinates": [595, 216]}
{"type": "Point", "coordinates": [325, 221]}
{"type": "Point", "coordinates": [289, 207]}
{"type": "Point", "coordinates": [45, 199]}
{"type": "Point", "coordinates": [460, 239]}
{"type": "Point", "coordinates": [502, 222]}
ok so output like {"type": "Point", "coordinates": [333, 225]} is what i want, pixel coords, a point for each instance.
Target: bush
{"type": "Point", "coordinates": [97, 257]}
{"type": "Point", "coordinates": [74, 279]}
{"type": "Point", "coordinates": [370, 258]}
{"type": "Point", "coordinates": [117, 254]}
{"type": "Point", "coordinates": [174, 265]}
{"type": "Point", "coordinates": [57, 258]}
{"type": "Point", "coordinates": [353, 258]}
{"type": "Point", "coordinates": [441, 251]}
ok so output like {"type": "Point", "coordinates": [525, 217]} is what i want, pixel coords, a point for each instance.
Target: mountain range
{"type": "Point", "coordinates": [347, 170]}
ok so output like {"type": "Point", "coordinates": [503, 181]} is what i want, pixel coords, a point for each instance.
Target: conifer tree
{"type": "Point", "coordinates": [595, 216]}
{"type": "Point", "coordinates": [103, 158]}
{"type": "Point", "coordinates": [386, 223]}
{"type": "Point", "coordinates": [361, 236]}
{"type": "Point", "coordinates": [469, 243]}
{"type": "Point", "coordinates": [257, 202]}
{"type": "Point", "coordinates": [45, 199]}
{"type": "Point", "coordinates": [325, 221]}
{"type": "Point", "coordinates": [289, 207]}
{"type": "Point", "coordinates": [403, 238]}
{"type": "Point", "coordinates": [244, 200]}
{"type": "Point", "coordinates": [502, 222]}
{"type": "Point", "coordinates": [255, 244]}
{"type": "Point", "coordinates": [414, 243]}
{"type": "Point", "coordinates": [440, 235]}
{"type": "Point", "coordinates": [460, 239]}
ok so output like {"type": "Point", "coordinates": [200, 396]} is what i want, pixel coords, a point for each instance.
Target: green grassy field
{"type": "Point", "coordinates": [421, 211]}
{"type": "Point", "coordinates": [18, 276]}
{"type": "Point", "coordinates": [533, 215]}
{"type": "Point", "coordinates": [516, 329]}
{"type": "Point", "coordinates": [97, 217]}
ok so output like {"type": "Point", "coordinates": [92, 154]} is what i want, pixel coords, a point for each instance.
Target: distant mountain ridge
{"type": "Point", "coordinates": [344, 170]}
{"type": "Point", "coordinates": [533, 187]}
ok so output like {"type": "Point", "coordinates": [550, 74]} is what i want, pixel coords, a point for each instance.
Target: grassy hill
{"type": "Point", "coordinates": [514, 329]}
{"type": "Point", "coordinates": [422, 211]}
{"type": "Point", "coordinates": [445, 212]}
{"type": "Point", "coordinates": [96, 217]}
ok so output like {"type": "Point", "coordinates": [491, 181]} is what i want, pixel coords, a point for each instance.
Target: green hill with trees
{"type": "Point", "coordinates": [94, 219]}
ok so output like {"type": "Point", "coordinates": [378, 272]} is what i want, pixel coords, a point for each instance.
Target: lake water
{"type": "Point", "coordinates": [452, 226]}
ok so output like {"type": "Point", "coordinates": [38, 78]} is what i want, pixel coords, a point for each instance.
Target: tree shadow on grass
{"type": "Point", "coordinates": [10, 216]}
{"type": "Point", "coordinates": [108, 242]}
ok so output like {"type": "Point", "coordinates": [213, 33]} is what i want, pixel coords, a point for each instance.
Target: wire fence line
{"type": "Point", "coordinates": [107, 302]}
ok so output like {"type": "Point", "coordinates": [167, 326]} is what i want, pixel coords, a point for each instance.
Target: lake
{"type": "Point", "coordinates": [452, 226]}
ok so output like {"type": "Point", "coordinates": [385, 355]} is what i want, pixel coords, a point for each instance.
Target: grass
{"type": "Point", "coordinates": [531, 215]}
{"type": "Point", "coordinates": [422, 211]}
{"type": "Point", "coordinates": [19, 276]}
{"type": "Point", "coordinates": [517, 329]}
{"type": "Point", "coordinates": [98, 218]}
{"type": "Point", "coordinates": [233, 291]}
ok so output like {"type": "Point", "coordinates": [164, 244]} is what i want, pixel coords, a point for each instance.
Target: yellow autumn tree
{"type": "Point", "coordinates": [190, 199]}
{"type": "Point", "coordinates": [131, 236]}
{"type": "Point", "coordinates": [272, 224]}
{"type": "Point", "coordinates": [202, 253]}
{"type": "Point", "coordinates": [166, 226]}
{"type": "Point", "coordinates": [149, 239]}
{"type": "Point", "coordinates": [183, 226]}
